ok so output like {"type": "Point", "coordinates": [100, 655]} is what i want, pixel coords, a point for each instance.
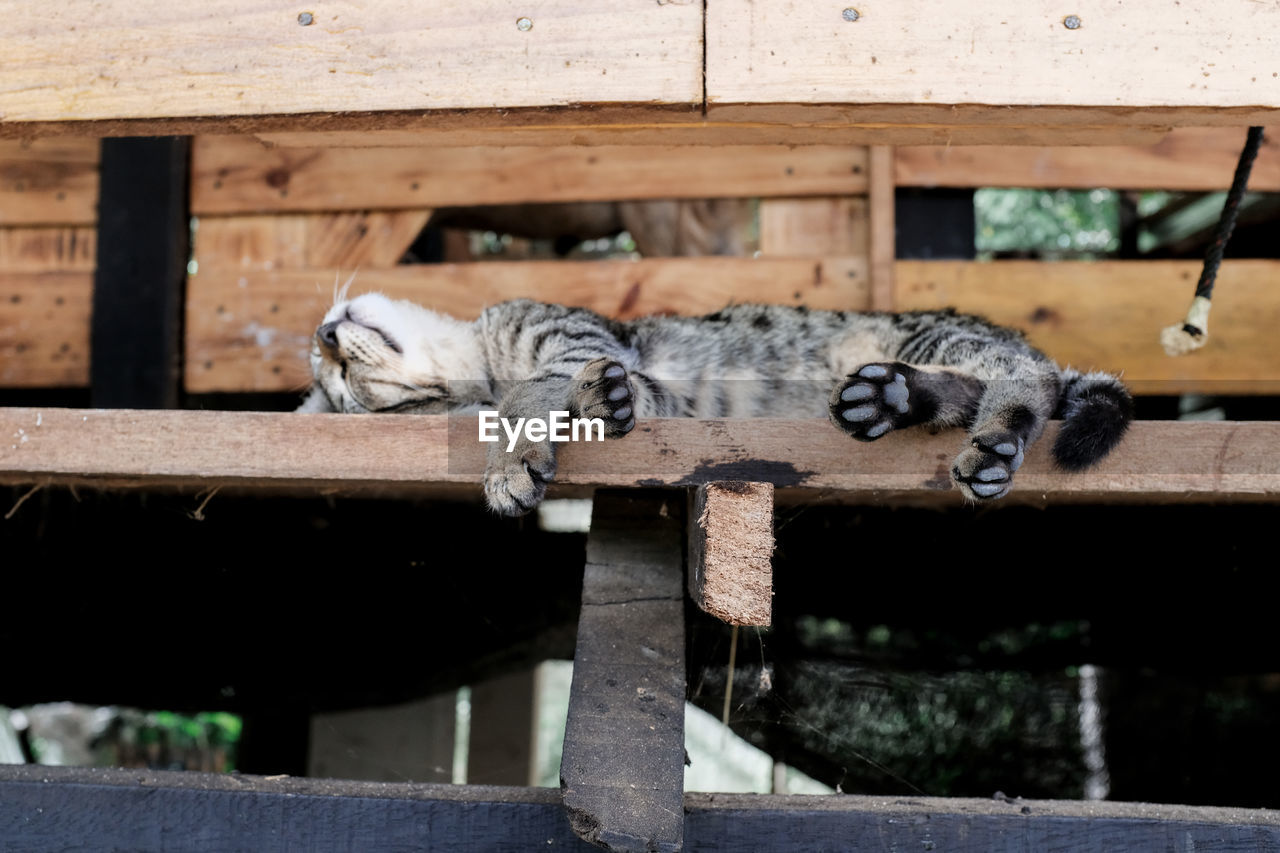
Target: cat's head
{"type": "Point", "coordinates": [374, 354]}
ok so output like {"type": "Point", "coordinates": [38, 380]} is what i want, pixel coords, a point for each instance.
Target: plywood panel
{"type": "Point", "coordinates": [237, 174]}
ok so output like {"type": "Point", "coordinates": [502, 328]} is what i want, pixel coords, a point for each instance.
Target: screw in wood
{"type": "Point", "coordinates": [306, 19]}
{"type": "Point", "coordinates": [524, 25]}
{"type": "Point", "coordinates": [1071, 22]}
{"type": "Point", "coordinates": [850, 14]}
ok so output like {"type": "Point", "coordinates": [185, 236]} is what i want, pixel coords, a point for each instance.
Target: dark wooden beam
{"type": "Point", "coordinates": [62, 808]}
{"type": "Point", "coordinates": [138, 287]}
{"type": "Point", "coordinates": [622, 770]}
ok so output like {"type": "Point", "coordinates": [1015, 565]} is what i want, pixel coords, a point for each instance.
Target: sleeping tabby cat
{"type": "Point", "coordinates": [877, 372]}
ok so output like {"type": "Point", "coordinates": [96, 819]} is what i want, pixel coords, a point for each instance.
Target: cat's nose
{"type": "Point", "coordinates": [327, 335]}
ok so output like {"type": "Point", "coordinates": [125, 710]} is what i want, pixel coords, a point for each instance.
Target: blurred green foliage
{"type": "Point", "coordinates": [1047, 223]}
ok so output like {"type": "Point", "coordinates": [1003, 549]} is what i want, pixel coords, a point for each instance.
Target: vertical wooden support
{"type": "Point", "coordinates": [144, 240]}
{"type": "Point", "coordinates": [502, 722]}
{"type": "Point", "coordinates": [622, 771]}
{"type": "Point", "coordinates": [881, 189]}
{"type": "Point", "coordinates": [730, 551]}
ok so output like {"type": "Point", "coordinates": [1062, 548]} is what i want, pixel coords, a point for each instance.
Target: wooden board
{"type": "Point", "coordinates": [807, 460]}
{"type": "Point", "coordinates": [1199, 57]}
{"type": "Point", "coordinates": [48, 181]}
{"type": "Point", "coordinates": [48, 249]}
{"type": "Point", "coordinates": [814, 227]}
{"type": "Point", "coordinates": [1191, 159]}
{"type": "Point", "coordinates": [883, 228]}
{"type": "Point", "coordinates": [730, 551]}
{"type": "Point", "coordinates": [251, 331]}
{"type": "Point", "coordinates": [622, 770]}
{"type": "Point", "coordinates": [351, 240]}
{"type": "Point", "coordinates": [142, 59]}
{"type": "Point", "coordinates": [1108, 315]}
{"type": "Point", "coordinates": [44, 329]}
{"type": "Point", "coordinates": [237, 174]}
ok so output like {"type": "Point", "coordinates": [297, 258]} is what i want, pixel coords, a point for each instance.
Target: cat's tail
{"type": "Point", "coordinates": [1096, 410]}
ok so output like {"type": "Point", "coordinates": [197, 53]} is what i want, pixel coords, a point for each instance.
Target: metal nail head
{"type": "Point", "coordinates": [306, 19]}
{"type": "Point", "coordinates": [850, 14]}
{"type": "Point", "coordinates": [1071, 22]}
{"type": "Point", "coordinates": [524, 25]}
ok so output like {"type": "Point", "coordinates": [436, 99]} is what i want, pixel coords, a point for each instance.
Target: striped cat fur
{"type": "Point", "coordinates": [870, 373]}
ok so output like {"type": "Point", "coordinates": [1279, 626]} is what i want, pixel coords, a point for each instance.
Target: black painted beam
{"type": "Point", "coordinates": [138, 286]}
{"type": "Point", "coordinates": [94, 811]}
{"type": "Point", "coordinates": [622, 769]}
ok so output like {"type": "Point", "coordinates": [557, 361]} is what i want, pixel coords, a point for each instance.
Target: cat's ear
{"type": "Point", "coordinates": [315, 401]}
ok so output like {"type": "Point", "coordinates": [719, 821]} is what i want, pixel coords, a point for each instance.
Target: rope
{"type": "Point", "coordinates": [1193, 332]}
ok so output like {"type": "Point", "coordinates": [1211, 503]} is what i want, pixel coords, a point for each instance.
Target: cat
{"type": "Point", "coordinates": [877, 372]}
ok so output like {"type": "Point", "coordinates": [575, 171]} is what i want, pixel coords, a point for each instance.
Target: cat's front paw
{"type": "Point", "coordinates": [984, 470]}
{"type": "Point", "coordinates": [872, 400]}
{"type": "Point", "coordinates": [603, 390]}
{"type": "Point", "coordinates": [516, 482]}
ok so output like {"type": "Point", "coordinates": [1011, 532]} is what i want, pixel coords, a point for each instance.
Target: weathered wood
{"type": "Point", "coordinates": [806, 460]}
{"type": "Point", "coordinates": [340, 241]}
{"type": "Point", "coordinates": [622, 770]}
{"type": "Point", "coordinates": [814, 227]}
{"type": "Point", "coordinates": [1200, 59]}
{"type": "Point", "coordinates": [883, 228]}
{"type": "Point", "coordinates": [1107, 315]}
{"type": "Point", "coordinates": [251, 331]}
{"type": "Point", "coordinates": [238, 174]}
{"type": "Point", "coordinates": [48, 181]}
{"type": "Point", "coordinates": [151, 59]}
{"type": "Point", "coordinates": [731, 551]}
{"type": "Point", "coordinates": [1193, 159]}
{"type": "Point", "coordinates": [48, 249]}
{"type": "Point", "coordinates": [44, 329]}
{"type": "Point", "coordinates": [50, 808]}
{"type": "Point", "coordinates": [143, 247]}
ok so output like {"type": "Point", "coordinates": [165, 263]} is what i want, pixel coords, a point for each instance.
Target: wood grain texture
{"type": "Point", "coordinates": [44, 329]}
{"type": "Point", "coordinates": [1108, 315]}
{"type": "Point", "coordinates": [731, 550]}
{"type": "Point", "coordinates": [237, 174]}
{"type": "Point", "coordinates": [48, 181]}
{"type": "Point", "coordinates": [805, 460]}
{"type": "Point", "coordinates": [83, 60]}
{"type": "Point", "coordinates": [1191, 159]}
{"type": "Point", "coordinates": [251, 331]}
{"type": "Point", "coordinates": [68, 248]}
{"type": "Point", "coordinates": [350, 240]}
{"type": "Point", "coordinates": [814, 227]}
{"type": "Point", "coordinates": [883, 230]}
{"type": "Point", "coordinates": [622, 769]}
{"type": "Point", "coordinates": [1200, 54]}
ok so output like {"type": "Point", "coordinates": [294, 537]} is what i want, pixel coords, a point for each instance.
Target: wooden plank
{"type": "Point", "coordinates": [355, 239]}
{"type": "Point", "coordinates": [48, 181]}
{"type": "Point", "coordinates": [251, 331]}
{"type": "Point", "coordinates": [237, 174]}
{"type": "Point", "coordinates": [731, 551]}
{"type": "Point", "coordinates": [1201, 59]}
{"type": "Point", "coordinates": [1192, 159]}
{"type": "Point", "coordinates": [147, 59]}
{"type": "Point", "coordinates": [143, 248]}
{"type": "Point", "coordinates": [1108, 315]}
{"type": "Point", "coordinates": [883, 228]}
{"type": "Point", "coordinates": [48, 249]}
{"type": "Point", "coordinates": [44, 329]}
{"type": "Point", "coordinates": [54, 808]}
{"type": "Point", "coordinates": [806, 460]}
{"type": "Point", "coordinates": [814, 227]}
{"type": "Point", "coordinates": [622, 770]}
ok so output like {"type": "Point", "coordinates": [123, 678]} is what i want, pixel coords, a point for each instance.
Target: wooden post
{"type": "Point", "coordinates": [881, 189]}
{"type": "Point", "coordinates": [730, 551]}
{"type": "Point", "coordinates": [622, 771]}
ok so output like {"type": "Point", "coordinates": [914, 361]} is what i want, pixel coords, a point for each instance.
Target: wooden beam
{"type": "Point", "coordinates": [1108, 315]}
{"type": "Point", "coordinates": [731, 551]}
{"type": "Point", "coordinates": [1192, 159]}
{"type": "Point", "coordinates": [1013, 57]}
{"type": "Point", "coordinates": [238, 174]}
{"type": "Point", "coordinates": [148, 59]}
{"type": "Point", "coordinates": [251, 331]}
{"type": "Point", "coordinates": [48, 181]}
{"type": "Point", "coordinates": [884, 225]}
{"type": "Point", "coordinates": [339, 241]}
{"type": "Point", "coordinates": [814, 227]}
{"type": "Point", "coordinates": [67, 248]}
{"type": "Point", "coordinates": [806, 460]}
{"type": "Point", "coordinates": [44, 329]}
{"type": "Point", "coordinates": [622, 770]}
{"type": "Point", "coordinates": [50, 808]}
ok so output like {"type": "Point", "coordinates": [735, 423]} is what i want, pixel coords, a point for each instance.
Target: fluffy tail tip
{"type": "Point", "coordinates": [1096, 411]}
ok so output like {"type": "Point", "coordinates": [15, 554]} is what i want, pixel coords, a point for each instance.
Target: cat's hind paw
{"type": "Point", "coordinates": [603, 390]}
{"type": "Point", "coordinates": [984, 470]}
{"type": "Point", "coordinates": [872, 400]}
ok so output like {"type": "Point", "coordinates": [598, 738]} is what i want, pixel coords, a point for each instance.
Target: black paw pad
{"type": "Point", "coordinates": [872, 400]}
